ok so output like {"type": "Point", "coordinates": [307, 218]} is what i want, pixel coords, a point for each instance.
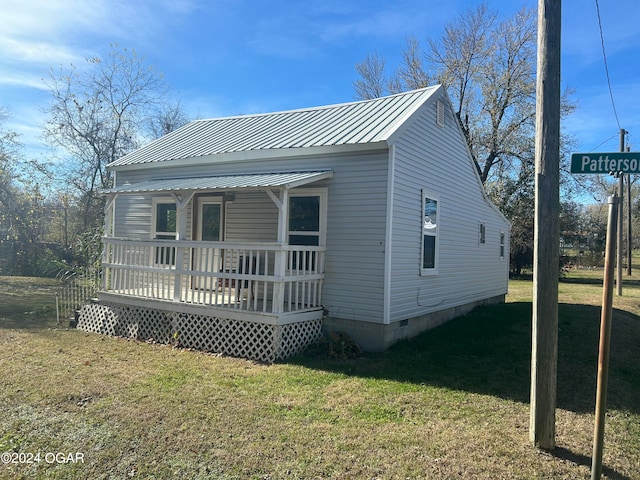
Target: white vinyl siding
{"type": "Point", "coordinates": [356, 222]}
{"type": "Point", "coordinates": [437, 159]}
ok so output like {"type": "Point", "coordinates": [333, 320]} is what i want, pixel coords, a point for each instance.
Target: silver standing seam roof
{"type": "Point", "coordinates": [367, 121]}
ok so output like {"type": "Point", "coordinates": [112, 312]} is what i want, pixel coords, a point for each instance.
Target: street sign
{"type": "Point", "coordinates": [605, 163]}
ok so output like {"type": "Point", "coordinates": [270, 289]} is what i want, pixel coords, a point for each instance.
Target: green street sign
{"type": "Point", "coordinates": [613, 162]}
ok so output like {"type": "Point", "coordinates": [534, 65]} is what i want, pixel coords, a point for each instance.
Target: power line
{"type": "Point", "coordinates": [600, 144]}
{"type": "Point", "coordinates": [606, 67]}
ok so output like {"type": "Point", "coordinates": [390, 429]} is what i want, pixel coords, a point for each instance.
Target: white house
{"type": "Point", "coordinates": [246, 235]}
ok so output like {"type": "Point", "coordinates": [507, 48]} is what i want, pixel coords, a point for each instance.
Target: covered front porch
{"type": "Point", "coordinates": [201, 269]}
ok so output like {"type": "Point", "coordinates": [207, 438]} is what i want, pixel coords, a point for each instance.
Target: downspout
{"type": "Point", "coordinates": [386, 308]}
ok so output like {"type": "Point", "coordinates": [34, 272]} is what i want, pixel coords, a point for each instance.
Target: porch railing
{"type": "Point", "coordinates": [261, 277]}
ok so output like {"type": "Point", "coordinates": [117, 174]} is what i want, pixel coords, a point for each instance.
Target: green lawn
{"type": "Point", "coordinates": [452, 403]}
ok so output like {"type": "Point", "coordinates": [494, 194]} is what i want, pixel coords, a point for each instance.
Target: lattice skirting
{"type": "Point", "coordinates": [255, 341]}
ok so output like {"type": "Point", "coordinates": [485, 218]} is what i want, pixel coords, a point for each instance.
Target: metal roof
{"type": "Point", "coordinates": [224, 182]}
{"type": "Point", "coordinates": [367, 121]}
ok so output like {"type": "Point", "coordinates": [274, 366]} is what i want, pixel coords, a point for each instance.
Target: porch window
{"type": "Point", "coordinates": [306, 225]}
{"type": "Point", "coordinates": [304, 220]}
{"type": "Point", "coordinates": [429, 253]}
{"type": "Point", "coordinates": [164, 222]}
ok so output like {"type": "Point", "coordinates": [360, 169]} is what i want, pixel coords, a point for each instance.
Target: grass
{"type": "Point", "coordinates": [451, 403]}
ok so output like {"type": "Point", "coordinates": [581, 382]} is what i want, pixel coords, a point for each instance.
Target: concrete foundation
{"type": "Point", "coordinates": [377, 337]}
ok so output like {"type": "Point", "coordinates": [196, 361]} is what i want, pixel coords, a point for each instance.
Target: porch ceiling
{"type": "Point", "coordinates": [224, 182]}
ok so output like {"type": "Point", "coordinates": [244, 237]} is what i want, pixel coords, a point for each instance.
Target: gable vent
{"type": "Point", "coordinates": [440, 113]}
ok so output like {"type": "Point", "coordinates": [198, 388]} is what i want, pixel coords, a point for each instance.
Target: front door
{"type": "Point", "coordinates": [209, 228]}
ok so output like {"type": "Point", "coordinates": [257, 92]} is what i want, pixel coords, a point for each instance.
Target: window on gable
{"type": "Point", "coordinates": [483, 234]}
{"type": "Point", "coordinates": [429, 253]}
{"type": "Point", "coordinates": [502, 244]}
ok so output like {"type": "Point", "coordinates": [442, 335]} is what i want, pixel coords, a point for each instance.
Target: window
{"type": "Point", "coordinates": [304, 220]}
{"type": "Point", "coordinates": [502, 243]}
{"type": "Point", "coordinates": [483, 234]}
{"type": "Point", "coordinates": [165, 220]}
{"type": "Point", "coordinates": [429, 234]}
{"type": "Point", "coordinates": [307, 222]}
{"type": "Point", "coordinates": [306, 225]}
{"type": "Point", "coordinates": [164, 228]}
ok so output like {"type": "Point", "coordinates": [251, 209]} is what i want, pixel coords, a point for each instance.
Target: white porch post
{"type": "Point", "coordinates": [181, 234]}
{"type": "Point", "coordinates": [109, 230]}
{"type": "Point", "coordinates": [280, 267]}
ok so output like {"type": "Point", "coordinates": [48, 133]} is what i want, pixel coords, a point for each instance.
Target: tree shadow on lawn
{"type": "Point", "coordinates": [37, 318]}
{"type": "Point", "coordinates": [488, 351]}
{"type": "Point", "coordinates": [626, 282]}
{"type": "Point", "coordinates": [27, 305]}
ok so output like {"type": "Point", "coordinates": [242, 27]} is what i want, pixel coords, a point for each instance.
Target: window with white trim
{"type": "Point", "coordinates": [429, 250]}
{"type": "Point", "coordinates": [163, 223]}
{"type": "Point", "coordinates": [307, 217]}
{"type": "Point", "coordinates": [503, 237]}
{"type": "Point", "coordinates": [306, 225]}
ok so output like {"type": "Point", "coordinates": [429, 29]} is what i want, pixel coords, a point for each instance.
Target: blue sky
{"type": "Point", "coordinates": [228, 57]}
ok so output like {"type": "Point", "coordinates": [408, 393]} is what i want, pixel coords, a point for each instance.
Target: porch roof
{"type": "Point", "coordinates": [224, 182]}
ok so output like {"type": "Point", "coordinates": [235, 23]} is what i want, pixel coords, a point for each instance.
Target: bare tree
{"type": "Point", "coordinates": [459, 55]}
{"type": "Point", "coordinates": [95, 116]}
{"type": "Point", "coordinates": [166, 119]}
{"type": "Point", "coordinates": [411, 74]}
{"type": "Point", "coordinates": [373, 83]}
{"type": "Point", "coordinates": [488, 68]}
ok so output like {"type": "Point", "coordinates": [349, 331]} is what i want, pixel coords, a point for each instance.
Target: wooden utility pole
{"type": "Point", "coordinates": [544, 353]}
{"type": "Point", "coordinates": [629, 236]}
{"type": "Point", "coordinates": [620, 220]}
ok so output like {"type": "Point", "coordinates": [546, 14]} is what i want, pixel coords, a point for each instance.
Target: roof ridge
{"type": "Point", "coordinates": [317, 107]}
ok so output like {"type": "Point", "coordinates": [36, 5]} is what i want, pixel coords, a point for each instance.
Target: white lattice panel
{"type": "Point", "coordinates": [255, 341]}
{"type": "Point", "coordinates": [295, 337]}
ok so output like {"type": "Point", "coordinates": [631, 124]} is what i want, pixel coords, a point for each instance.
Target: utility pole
{"type": "Point", "coordinates": [544, 352]}
{"type": "Point", "coordinates": [629, 237]}
{"type": "Point", "coordinates": [620, 220]}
